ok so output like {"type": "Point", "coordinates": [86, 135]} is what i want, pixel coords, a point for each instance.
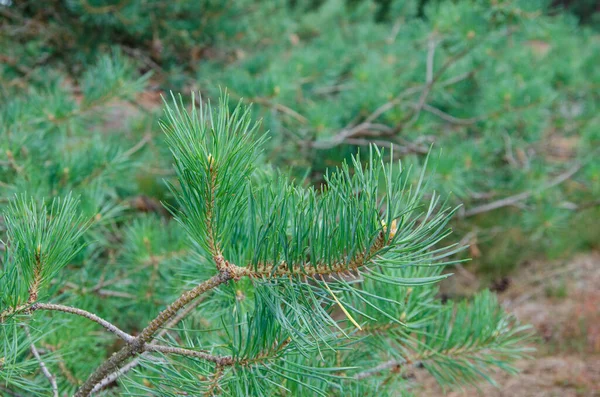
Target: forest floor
{"type": "Point", "coordinates": [561, 300]}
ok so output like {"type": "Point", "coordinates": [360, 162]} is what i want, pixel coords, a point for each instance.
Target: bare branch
{"type": "Point", "coordinates": [388, 365]}
{"type": "Point", "coordinates": [224, 276]}
{"type": "Point", "coordinates": [43, 366]}
{"type": "Point", "coordinates": [512, 200]}
{"type": "Point", "coordinates": [429, 80]}
{"type": "Point", "coordinates": [280, 108]}
{"type": "Point", "coordinates": [90, 316]}
{"type": "Point", "coordinates": [115, 375]}
{"type": "Point", "coordinates": [450, 118]}
{"type": "Point", "coordinates": [429, 64]}
{"type": "Point", "coordinates": [587, 205]}
{"type": "Point", "coordinates": [364, 128]}
{"type": "Point", "coordinates": [395, 30]}
{"type": "Point", "coordinates": [135, 148]}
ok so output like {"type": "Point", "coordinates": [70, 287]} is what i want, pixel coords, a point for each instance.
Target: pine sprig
{"type": "Point", "coordinates": [211, 152]}
{"type": "Point", "coordinates": [43, 239]}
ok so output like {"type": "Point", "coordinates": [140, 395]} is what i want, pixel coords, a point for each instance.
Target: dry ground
{"type": "Point", "coordinates": [562, 301]}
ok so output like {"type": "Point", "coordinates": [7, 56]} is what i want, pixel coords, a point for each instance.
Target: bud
{"type": "Point", "coordinates": [393, 228]}
{"type": "Point", "coordinates": [239, 295]}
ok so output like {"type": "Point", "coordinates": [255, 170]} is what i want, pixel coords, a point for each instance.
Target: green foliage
{"type": "Point", "coordinates": [315, 291]}
{"type": "Point", "coordinates": [212, 168]}
{"type": "Point", "coordinates": [42, 241]}
{"type": "Point", "coordinates": [507, 89]}
{"type": "Point", "coordinates": [341, 260]}
{"type": "Point", "coordinates": [16, 366]}
{"type": "Point", "coordinates": [512, 101]}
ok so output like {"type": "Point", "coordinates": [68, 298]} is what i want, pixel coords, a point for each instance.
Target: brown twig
{"type": "Point", "coordinates": [283, 269]}
{"type": "Point", "coordinates": [353, 131]}
{"type": "Point", "coordinates": [280, 108]}
{"type": "Point", "coordinates": [116, 374]}
{"type": "Point", "coordinates": [512, 200]}
{"type": "Point", "coordinates": [135, 148]}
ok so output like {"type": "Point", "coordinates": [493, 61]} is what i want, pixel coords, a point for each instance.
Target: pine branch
{"type": "Point", "coordinates": [512, 200]}
{"type": "Point", "coordinates": [136, 346]}
{"type": "Point", "coordinates": [135, 362]}
{"type": "Point", "coordinates": [90, 316]}
{"type": "Point", "coordinates": [227, 272]}
{"type": "Point", "coordinates": [369, 224]}
{"type": "Point", "coordinates": [219, 360]}
{"type": "Point", "coordinates": [283, 269]}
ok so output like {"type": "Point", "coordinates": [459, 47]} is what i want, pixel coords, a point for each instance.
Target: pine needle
{"type": "Point", "coordinates": [342, 306]}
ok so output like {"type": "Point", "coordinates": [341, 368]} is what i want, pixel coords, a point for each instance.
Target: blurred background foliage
{"type": "Point", "coordinates": [506, 91]}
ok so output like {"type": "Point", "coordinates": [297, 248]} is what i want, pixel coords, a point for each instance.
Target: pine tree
{"type": "Point", "coordinates": [260, 285]}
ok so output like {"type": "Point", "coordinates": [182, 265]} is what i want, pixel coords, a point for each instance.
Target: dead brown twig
{"type": "Point", "coordinates": [512, 200]}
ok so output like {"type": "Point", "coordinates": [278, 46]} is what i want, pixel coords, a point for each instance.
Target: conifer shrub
{"type": "Point", "coordinates": [507, 88]}
{"type": "Point", "coordinates": [259, 285]}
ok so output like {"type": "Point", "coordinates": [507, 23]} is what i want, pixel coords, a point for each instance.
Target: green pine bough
{"type": "Point", "coordinates": [304, 291]}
